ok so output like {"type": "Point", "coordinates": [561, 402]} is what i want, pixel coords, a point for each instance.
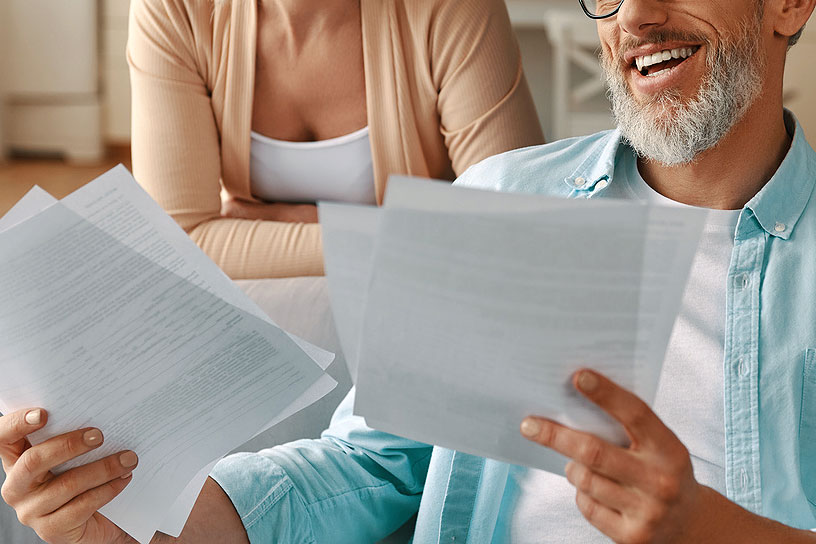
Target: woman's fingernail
{"type": "Point", "coordinates": [92, 437]}
{"type": "Point", "coordinates": [530, 428]}
{"type": "Point", "coordinates": [587, 381]}
{"type": "Point", "coordinates": [128, 459]}
{"type": "Point", "coordinates": [34, 417]}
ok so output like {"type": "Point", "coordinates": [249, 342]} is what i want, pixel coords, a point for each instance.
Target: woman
{"type": "Point", "coordinates": [284, 102]}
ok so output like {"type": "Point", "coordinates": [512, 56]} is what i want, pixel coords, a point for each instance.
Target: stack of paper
{"type": "Point", "coordinates": [463, 311]}
{"type": "Point", "coordinates": [111, 317]}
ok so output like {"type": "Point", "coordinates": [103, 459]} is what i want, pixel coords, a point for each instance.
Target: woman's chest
{"type": "Point", "coordinates": [309, 85]}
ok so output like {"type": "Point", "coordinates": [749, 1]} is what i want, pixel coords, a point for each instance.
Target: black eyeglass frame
{"type": "Point", "coordinates": [596, 17]}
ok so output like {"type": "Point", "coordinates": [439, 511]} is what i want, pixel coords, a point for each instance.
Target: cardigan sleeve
{"type": "Point", "coordinates": [176, 148]}
{"type": "Point", "coordinates": [352, 485]}
{"type": "Point", "coordinates": [485, 106]}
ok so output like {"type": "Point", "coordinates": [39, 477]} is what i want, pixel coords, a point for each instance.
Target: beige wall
{"type": "Point", "coordinates": [800, 81]}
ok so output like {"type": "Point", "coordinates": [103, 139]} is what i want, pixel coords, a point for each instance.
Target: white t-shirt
{"type": "Point", "coordinates": [539, 506]}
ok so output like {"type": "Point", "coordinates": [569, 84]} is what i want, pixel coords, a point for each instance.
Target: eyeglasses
{"type": "Point", "coordinates": [600, 9]}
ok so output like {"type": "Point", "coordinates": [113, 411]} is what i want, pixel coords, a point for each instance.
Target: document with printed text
{"type": "Point", "coordinates": [113, 318]}
{"type": "Point", "coordinates": [475, 308]}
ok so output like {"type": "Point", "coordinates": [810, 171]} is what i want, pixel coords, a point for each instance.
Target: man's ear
{"type": "Point", "coordinates": [789, 16]}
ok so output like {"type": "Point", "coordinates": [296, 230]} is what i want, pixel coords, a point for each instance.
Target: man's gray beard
{"type": "Point", "coordinates": [666, 130]}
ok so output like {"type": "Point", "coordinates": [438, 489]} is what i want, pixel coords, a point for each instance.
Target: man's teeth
{"type": "Point", "coordinates": [662, 56]}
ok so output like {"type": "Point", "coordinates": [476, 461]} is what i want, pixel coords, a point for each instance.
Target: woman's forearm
{"type": "Point", "coordinates": [272, 211]}
{"type": "Point", "coordinates": [247, 249]}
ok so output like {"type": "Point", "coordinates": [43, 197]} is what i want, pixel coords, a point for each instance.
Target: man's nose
{"type": "Point", "coordinates": [640, 17]}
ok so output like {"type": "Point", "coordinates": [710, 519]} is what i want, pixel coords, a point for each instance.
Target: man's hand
{"type": "Point", "coordinates": [61, 509]}
{"type": "Point", "coordinates": [642, 493]}
{"type": "Point", "coordinates": [273, 211]}
{"type": "Point", "coordinates": [646, 492]}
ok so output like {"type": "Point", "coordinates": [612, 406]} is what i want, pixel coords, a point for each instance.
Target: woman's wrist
{"type": "Point", "coordinates": [272, 211]}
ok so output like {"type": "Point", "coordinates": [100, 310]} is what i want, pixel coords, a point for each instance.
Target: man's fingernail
{"type": "Point", "coordinates": [128, 459]}
{"type": "Point", "coordinates": [92, 437]}
{"type": "Point", "coordinates": [587, 381]}
{"type": "Point", "coordinates": [128, 475]}
{"type": "Point", "coordinates": [530, 428]}
{"type": "Point", "coordinates": [34, 417]}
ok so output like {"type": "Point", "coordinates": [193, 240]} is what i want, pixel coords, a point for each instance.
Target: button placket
{"type": "Point", "coordinates": [741, 382]}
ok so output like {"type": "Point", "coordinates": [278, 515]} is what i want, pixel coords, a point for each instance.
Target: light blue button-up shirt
{"type": "Point", "coordinates": [357, 485]}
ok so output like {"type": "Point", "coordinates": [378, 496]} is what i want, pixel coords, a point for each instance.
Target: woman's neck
{"type": "Point", "coordinates": [308, 19]}
{"type": "Point", "coordinates": [303, 9]}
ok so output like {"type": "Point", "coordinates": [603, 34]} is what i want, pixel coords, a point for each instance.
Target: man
{"type": "Point", "coordinates": [696, 87]}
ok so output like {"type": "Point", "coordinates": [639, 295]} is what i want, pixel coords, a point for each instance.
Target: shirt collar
{"type": "Point", "coordinates": [599, 165]}
{"type": "Point", "coordinates": [779, 205]}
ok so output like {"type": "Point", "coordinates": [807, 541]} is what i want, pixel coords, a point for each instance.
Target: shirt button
{"type": "Point", "coordinates": [743, 479]}
{"type": "Point", "coordinates": [601, 185]}
{"type": "Point", "coordinates": [780, 227]}
{"type": "Point", "coordinates": [579, 181]}
{"type": "Point", "coordinates": [742, 367]}
{"type": "Point", "coordinates": [742, 281]}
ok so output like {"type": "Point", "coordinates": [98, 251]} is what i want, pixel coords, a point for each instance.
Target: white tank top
{"type": "Point", "coordinates": [338, 169]}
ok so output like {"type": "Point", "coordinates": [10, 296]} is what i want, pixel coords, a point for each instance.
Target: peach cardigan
{"type": "Point", "coordinates": [444, 86]}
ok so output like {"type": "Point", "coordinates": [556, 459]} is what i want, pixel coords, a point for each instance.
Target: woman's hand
{"type": "Point", "coordinates": [61, 509]}
{"type": "Point", "coordinates": [273, 211]}
{"type": "Point", "coordinates": [642, 493]}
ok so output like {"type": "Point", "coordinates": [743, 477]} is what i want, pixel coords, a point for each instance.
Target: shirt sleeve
{"type": "Point", "coordinates": [485, 106]}
{"type": "Point", "coordinates": [176, 149]}
{"type": "Point", "coordinates": [352, 485]}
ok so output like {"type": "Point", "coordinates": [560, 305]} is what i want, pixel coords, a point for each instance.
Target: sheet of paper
{"type": "Point", "coordinates": [420, 194]}
{"type": "Point", "coordinates": [117, 205]}
{"type": "Point", "coordinates": [33, 202]}
{"type": "Point", "coordinates": [483, 317]}
{"type": "Point", "coordinates": [176, 517]}
{"type": "Point", "coordinates": [116, 191]}
{"type": "Point", "coordinates": [348, 233]}
{"type": "Point", "coordinates": [186, 362]}
{"type": "Point", "coordinates": [658, 306]}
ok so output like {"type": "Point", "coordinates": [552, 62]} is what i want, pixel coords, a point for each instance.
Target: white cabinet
{"type": "Point", "coordinates": [53, 46]}
{"type": "Point", "coordinates": [51, 78]}
{"type": "Point", "coordinates": [114, 71]}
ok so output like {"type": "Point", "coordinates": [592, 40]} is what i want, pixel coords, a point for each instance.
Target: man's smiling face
{"type": "Point", "coordinates": [682, 73]}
